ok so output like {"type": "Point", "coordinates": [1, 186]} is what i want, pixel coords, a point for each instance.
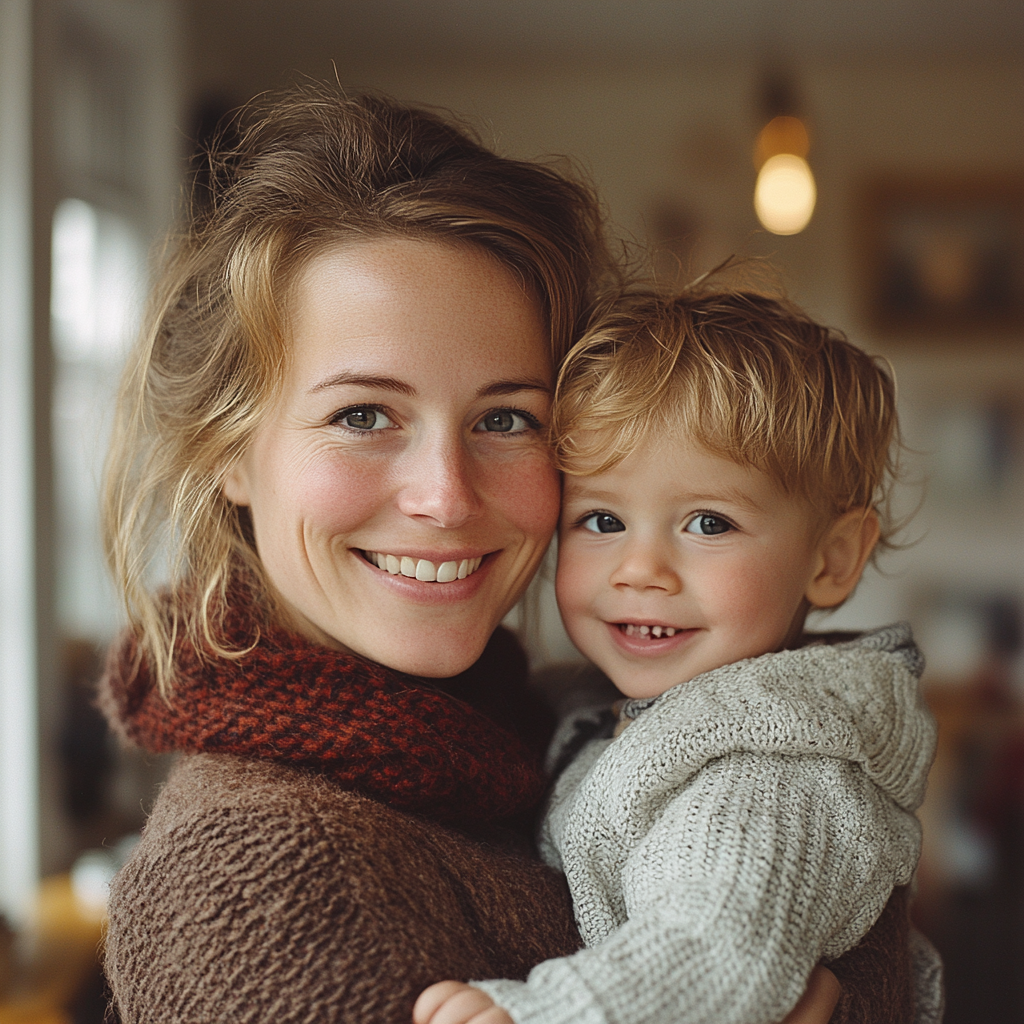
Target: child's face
{"type": "Point", "coordinates": [675, 540]}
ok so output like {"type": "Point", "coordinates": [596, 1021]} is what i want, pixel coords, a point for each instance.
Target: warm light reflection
{"type": "Point", "coordinates": [785, 194]}
{"type": "Point", "coordinates": [783, 134]}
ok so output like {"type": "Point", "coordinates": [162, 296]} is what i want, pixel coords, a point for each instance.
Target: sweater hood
{"type": "Point", "coordinates": [858, 701]}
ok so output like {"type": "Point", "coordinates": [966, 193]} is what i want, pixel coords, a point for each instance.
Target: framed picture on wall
{"type": "Point", "coordinates": [944, 255]}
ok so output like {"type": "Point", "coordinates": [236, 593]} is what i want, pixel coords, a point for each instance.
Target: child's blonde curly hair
{"type": "Point", "coordinates": [749, 377]}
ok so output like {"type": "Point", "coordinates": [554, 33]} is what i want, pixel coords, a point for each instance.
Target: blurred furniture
{"type": "Point", "coordinates": [54, 959]}
{"type": "Point", "coordinates": [970, 898]}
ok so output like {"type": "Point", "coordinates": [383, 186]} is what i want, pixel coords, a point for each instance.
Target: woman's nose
{"type": "Point", "coordinates": [440, 484]}
{"type": "Point", "coordinates": [648, 565]}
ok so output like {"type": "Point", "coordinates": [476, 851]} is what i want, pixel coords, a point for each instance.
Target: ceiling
{"type": "Point", "coordinates": [630, 27]}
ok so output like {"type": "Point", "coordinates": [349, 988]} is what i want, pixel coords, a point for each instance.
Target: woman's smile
{"type": "Point", "coordinates": [441, 569]}
{"type": "Point", "coordinates": [402, 486]}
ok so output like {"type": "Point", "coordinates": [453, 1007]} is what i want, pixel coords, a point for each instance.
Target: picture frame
{"type": "Point", "coordinates": [943, 255]}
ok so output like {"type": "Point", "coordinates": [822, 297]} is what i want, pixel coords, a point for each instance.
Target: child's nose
{"type": "Point", "coordinates": [645, 566]}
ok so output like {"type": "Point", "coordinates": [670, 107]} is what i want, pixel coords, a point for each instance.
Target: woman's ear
{"type": "Point", "coordinates": [843, 551]}
{"type": "Point", "coordinates": [235, 485]}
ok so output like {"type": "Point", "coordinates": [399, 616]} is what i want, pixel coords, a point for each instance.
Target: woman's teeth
{"type": "Point", "coordinates": [657, 632]}
{"type": "Point", "coordinates": [423, 569]}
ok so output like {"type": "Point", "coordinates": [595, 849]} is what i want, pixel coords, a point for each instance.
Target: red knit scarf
{"type": "Point", "coordinates": [401, 740]}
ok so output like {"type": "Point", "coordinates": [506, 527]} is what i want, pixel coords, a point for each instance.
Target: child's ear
{"type": "Point", "coordinates": [842, 553]}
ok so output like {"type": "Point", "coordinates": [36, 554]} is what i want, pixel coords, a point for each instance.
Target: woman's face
{"type": "Point", "coordinates": [400, 489]}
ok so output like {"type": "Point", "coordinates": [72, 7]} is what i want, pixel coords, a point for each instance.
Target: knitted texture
{"type": "Point", "coordinates": [271, 888]}
{"type": "Point", "coordinates": [264, 894]}
{"type": "Point", "coordinates": [746, 825]}
{"type": "Point", "coordinates": [400, 739]}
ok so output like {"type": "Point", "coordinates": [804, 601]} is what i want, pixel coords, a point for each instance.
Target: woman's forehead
{"type": "Point", "coordinates": [415, 305]}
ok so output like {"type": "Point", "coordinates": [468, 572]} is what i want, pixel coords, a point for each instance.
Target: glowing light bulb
{"type": "Point", "coordinates": [785, 194]}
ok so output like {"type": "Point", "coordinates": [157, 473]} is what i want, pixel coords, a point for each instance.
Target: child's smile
{"type": "Point", "coordinates": [677, 561]}
{"type": "Point", "coordinates": [649, 638]}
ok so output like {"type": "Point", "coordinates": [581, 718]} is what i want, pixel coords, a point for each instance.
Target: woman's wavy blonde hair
{"type": "Point", "coordinates": [749, 377]}
{"type": "Point", "coordinates": [312, 168]}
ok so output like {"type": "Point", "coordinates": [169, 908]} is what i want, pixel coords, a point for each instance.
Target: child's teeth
{"type": "Point", "coordinates": [655, 632]}
{"type": "Point", "coordinates": [423, 569]}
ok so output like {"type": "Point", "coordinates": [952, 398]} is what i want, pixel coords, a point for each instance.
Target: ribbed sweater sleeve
{"type": "Point", "coordinates": [741, 886]}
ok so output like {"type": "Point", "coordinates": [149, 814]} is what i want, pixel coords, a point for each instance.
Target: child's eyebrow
{"type": "Point", "coordinates": [729, 495]}
{"type": "Point", "coordinates": [578, 493]}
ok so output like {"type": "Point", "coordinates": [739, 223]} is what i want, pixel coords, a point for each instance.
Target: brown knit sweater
{"type": "Point", "coordinates": [262, 893]}
{"type": "Point", "coordinates": [270, 892]}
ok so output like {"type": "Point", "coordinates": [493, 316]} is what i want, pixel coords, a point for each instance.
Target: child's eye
{"type": "Point", "coordinates": [507, 421]}
{"type": "Point", "coordinates": [363, 417]}
{"type": "Point", "coordinates": [707, 525]}
{"type": "Point", "coordinates": [603, 522]}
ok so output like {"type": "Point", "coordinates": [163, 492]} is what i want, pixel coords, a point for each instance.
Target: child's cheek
{"type": "Point", "coordinates": [575, 585]}
{"type": "Point", "coordinates": [757, 603]}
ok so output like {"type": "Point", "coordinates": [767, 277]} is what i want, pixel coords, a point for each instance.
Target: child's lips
{"type": "Point", "coordinates": [649, 638]}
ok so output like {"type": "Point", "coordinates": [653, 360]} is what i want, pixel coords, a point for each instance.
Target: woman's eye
{"type": "Point", "coordinates": [707, 525]}
{"type": "Point", "coordinates": [507, 421]}
{"type": "Point", "coordinates": [363, 418]}
{"type": "Point", "coordinates": [603, 522]}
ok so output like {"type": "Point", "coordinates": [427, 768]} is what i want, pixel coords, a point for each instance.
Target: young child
{"type": "Point", "coordinates": [728, 465]}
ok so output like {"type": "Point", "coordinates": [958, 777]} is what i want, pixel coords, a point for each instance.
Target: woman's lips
{"type": "Point", "coordinates": [649, 638]}
{"type": "Point", "coordinates": [423, 569]}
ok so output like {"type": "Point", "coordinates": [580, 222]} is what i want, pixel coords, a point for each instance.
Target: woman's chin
{"type": "Point", "coordinates": [431, 642]}
{"type": "Point", "coordinates": [435, 651]}
{"type": "Point", "coordinates": [432, 661]}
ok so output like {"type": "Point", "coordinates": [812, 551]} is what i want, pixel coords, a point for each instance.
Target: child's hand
{"type": "Point", "coordinates": [818, 1001]}
{"type": "Point", "coordinates": [452, 1002]}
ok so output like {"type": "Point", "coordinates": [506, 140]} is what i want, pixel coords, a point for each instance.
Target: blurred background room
{"type": "Point", "coordinates": [884, 140]}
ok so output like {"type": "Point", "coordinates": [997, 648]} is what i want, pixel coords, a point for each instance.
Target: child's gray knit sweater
{"type": "Point", "coordinates": [748, 824]}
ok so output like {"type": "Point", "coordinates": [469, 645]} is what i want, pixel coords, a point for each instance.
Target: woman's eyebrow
{"type": "Point", "coordinates": [492, 390]}
{"type": "Point", "coordinates": [498, 388]}
{"type": "Point", "coordinates": [366, 381]}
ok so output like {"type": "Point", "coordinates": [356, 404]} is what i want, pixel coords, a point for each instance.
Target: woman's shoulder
{"type": "Point", "coordinates": [238, 858]}
{"type": "Point", "coordinates": [201, 786]}
{"type": "Point", "coordinates": [224, 800]}
{"type": "Point", "coordinates": [259, 885]}
{"type": "Point", "coordinates": [225, 780]}
{"type": "Point", "coordinates": [221, 811]}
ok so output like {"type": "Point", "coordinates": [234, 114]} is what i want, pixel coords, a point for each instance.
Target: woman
{"type": "Point", "coordinates": [335, 423]}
